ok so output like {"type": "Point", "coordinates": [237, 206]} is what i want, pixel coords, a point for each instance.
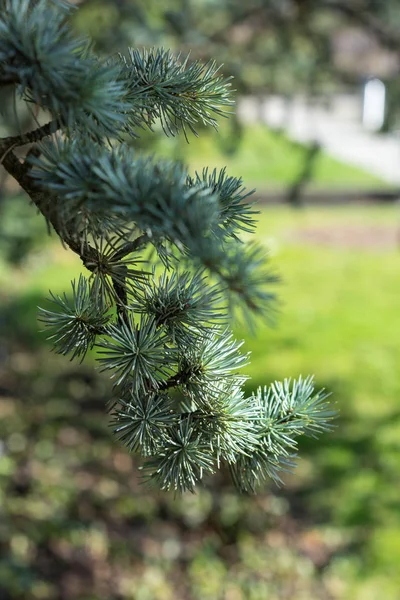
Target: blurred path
{"type": "Point", "coordinates": [337, 128]}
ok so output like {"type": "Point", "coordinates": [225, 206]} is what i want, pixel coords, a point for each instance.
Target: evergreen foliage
{"type": "Point", "coordinates": [159, 319]}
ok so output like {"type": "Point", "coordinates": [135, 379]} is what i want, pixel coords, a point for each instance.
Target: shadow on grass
{"type": "Point", "coordinates": [348, 460]}
{"type": "Point", "coordinates": [19, 323]}
{"type": "Point", "coordinates": [74, 507]}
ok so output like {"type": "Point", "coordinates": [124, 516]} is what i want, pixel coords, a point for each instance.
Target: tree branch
{"type": "Point", "coordinates": [256, 15]}
{"type": "Point", "coordinates": [29, 138]}
{"type": "Point", "coordinates": [262, 15]}
{"type": "Point", "coordinates": [389, 38]}
{"type": "Point", "coordinates": [122, 301]}
{"type": "Point", "coordinates": [8, 79]}
{"type": "Point", "coordinates": [130, 247]}
{"type": "Point", "coordinates": [177, 379]}
{"type": "Point", "coordinates": [18, 170]}
{"type": "Point", "coordinates": [88, 255]}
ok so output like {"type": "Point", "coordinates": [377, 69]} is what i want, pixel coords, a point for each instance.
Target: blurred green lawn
{"type": "Point", "coordinates": [263, 158]}
{"type": "Point", "coordinates": [338, 319]}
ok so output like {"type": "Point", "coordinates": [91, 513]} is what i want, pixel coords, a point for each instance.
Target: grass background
{"type": "Point", "coordinates": [74, 521]}
{"type": "Point", "coordinates": [339, 320]}
{"type": "Point", "coordinates": [265, 159]}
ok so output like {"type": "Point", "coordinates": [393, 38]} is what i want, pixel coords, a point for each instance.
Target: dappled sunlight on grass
{"type": "Point", "coordinates": [339, 311]}
{"type": "Point", "coordinates": [336, 521]}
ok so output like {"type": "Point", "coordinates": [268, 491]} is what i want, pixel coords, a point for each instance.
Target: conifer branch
{"type": "Point", "coordinates": [29, 138]}
{"type": "Point", "coordinates": [8, 79]}
{"type": "Point", "coordinates": [88, 255]}
{"type": "Point", "coordinates": [163, 338]}
{"type": "Point", "coordinates": [133, 246]}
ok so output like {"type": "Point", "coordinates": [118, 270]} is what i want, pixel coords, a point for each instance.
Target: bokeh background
{"type": "Point", "coordinates": [321, 146]}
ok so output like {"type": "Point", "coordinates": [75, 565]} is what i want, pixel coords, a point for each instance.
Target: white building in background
{"type": "Point", "coordinates": [373, 113]}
